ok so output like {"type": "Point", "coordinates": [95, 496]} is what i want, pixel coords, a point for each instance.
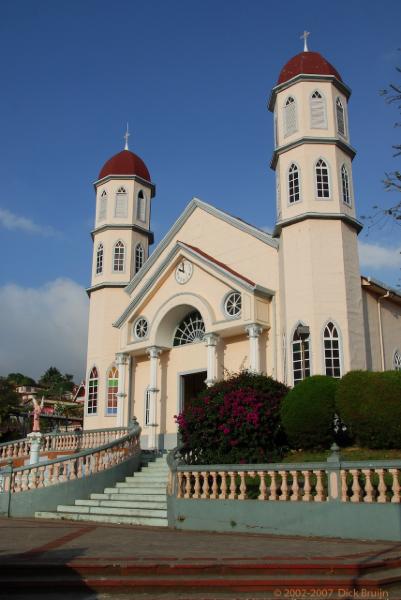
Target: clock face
{"type": "Point", "coordinates": [184, 271]}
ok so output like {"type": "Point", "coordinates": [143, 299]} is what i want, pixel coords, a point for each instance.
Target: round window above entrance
{"type": "Point", "coordinates": [141, 328]}
{"type": "Point", "coordinates": [190, 330]}
{"type": "Point", "coordinates": [233, 304]}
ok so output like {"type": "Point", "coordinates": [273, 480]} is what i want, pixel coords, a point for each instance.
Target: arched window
{"type": "Point", "coordinates": [290, 116]}
{"type": "Point", "coordinates": [318, 111]}
{"type": "Point", "coordinates": [300, 353]}
{"type": "Point", "coordinates": [147, 408]}
{"type": "Point", "coordinates": [121, 210]}
{"type": "Point", "coordinates": [331, 342]}
{"type": "Point", "coordinates": [345, 185]}
{"type": "Point", "coordinates": [340, 116]}
{"type": "Point", "coordinates": [99, 259]}
{"type": "Point", "coordinates": [397, 361]}
{"type": "Point", "coordinates": [293, 184]}
{"type": "Point", "coordinates": [112, 389]}
{"type": "Point", "coordinates": [322, 179]}
{"type": "Point", "coordinates": [93, 381]}
{"type": "Point", "coordinates": [141, 207]}
{"type": "Point", "coordinates": [102, 206]}
{"type": "Point", "coordinates": [118, 257]}
{"type": "Point", "coordinates": [190, 330]}
{"type": "Point", "coordinates": [139, 257]}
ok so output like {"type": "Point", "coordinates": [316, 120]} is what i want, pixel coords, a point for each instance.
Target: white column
{"type": "Point", "coordinates": [211, 340]}
{"type": "Point", "coordinates": [123, 363]}
{"type": "Point", "coordinates": [254, 332]}
{"type": "Point", "coordinates": [153, 352]}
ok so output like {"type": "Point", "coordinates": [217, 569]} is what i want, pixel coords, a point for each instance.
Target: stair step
{"type": "Point", "coordinates": [133, 497]}
{"type": "Point", "coordinates": [146, 477]}
{"type": "Point", "coordinates": [124, 504]}
{"type": "Point", "coordinates": [103, 518]}
{"type": "Point", "coordinates": [107, 510]}
{"type": "Point", "coordinates": [141, 484]}
{"type": "Point", "coordinates": [134, 490]}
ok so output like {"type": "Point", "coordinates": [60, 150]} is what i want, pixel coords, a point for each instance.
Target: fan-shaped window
{"type": "Point", "coordinates": [121, 210]}
{"type": "Point", "coordinates": [345, 185]}
{"type": "Point", "coordinates": [99, 259]}
{"type": "Point", "coordinates": [290, 116]}
{"type": "Point", "coordinates": [397, 361]}
{"type": "Point", "coordinates": [300, 353]}
{"type": "Point", "coordinates": [112, 389]}
{"type": "Point", "coordinates": [118, 257]}
{"type": "Point", "coordinates": [139, 257]}
{"type": "Point", "coordinates": [190, 330]}
{"type": "Point", "coordinates": [293, 184]}
{"type": "Point", "coordinates": [141, 328]}
{"type": "Point", "coordinates": [233, 304]}
{"type": "Point", "coordinates": [318, 111]}
{"type": "Point", "coordinates": [331, 343]}
{"type": "Point", "coordinates": [92, 392]}
{"type": "Point", "coordinates": [102, 206]}
{"type": "Point", "coordinates": [141, 207]}
{"type": "Point", "coordinates": [322, 179]}
{"type": "Point", "coordinates": [340, 117]}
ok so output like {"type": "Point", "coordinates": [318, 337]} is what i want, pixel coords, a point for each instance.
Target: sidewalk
{"type": "Point", "coordinates": [150, 560]}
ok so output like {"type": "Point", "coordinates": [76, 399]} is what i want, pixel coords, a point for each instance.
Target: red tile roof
{"type": "Point", "coordinates": [125, 163]}
{"type": "Point", "coordinates": [307, 63]}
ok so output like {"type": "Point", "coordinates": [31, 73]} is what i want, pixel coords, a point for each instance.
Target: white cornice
{"type": "Point", "coordinates": [305, 77]}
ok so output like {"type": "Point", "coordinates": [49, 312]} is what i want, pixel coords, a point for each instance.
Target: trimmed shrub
{"type": "Point", "coordinates": [234, 421]}
{"type": "Point", "coordinates": [307, 413]}
{"type": "Point", "coordinates": [370, 405]}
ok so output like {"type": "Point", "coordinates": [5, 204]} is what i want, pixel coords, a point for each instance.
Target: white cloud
{"type": "Point", "coordinates": [376, 256]}
{"type": "Point", "coordinates": [43, 327]}
{"type": "Point", "coordinates": [13, 222]}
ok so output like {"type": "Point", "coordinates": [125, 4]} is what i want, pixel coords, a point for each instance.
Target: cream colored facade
{"type": "Point", "coordinates": [285, 291]}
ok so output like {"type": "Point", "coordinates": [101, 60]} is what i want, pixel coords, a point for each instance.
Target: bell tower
{"type": "Point", "coordinates": [316, 223]}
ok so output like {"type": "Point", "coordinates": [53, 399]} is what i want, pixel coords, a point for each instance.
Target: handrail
{"type": "Point", "coordinates": [76, 466]}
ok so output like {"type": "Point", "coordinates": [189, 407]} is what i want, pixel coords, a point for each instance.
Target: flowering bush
{"type": "Point", "coordinates": [234, 421]}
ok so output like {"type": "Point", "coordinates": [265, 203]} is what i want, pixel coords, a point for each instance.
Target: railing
{"type": "Point", "coordinates": [58, 442]}
{"type": "Point", "coordinates": [79, 466]}
{"type": "Point", "coordinates": [334, 480]}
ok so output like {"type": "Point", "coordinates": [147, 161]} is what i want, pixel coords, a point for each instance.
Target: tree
{"type": "Point", "coordinates": [9, 400]}
{"type": "Point", "coordinates": [56, 384]}
{"type": "Point", "coordinates": [17, 379]}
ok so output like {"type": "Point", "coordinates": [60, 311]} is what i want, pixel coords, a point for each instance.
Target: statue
{"type": "Point", "coordinates": [37, 409]}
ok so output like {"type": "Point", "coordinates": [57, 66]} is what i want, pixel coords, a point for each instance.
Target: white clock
{"type": "Point", "coordinates": [183, 272]}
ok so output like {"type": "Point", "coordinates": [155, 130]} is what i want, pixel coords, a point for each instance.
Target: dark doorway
{"type": "Point", "coordinates": [191, 385]}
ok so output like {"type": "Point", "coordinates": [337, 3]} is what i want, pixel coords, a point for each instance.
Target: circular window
{"type": "Point", "coordinates": [233, 304]}
{"type": "Point", "coordinates": [141, 328]}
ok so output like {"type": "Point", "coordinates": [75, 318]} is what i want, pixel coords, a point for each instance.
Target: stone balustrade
{"type": "Point", "coordinates": [59, 442]}
{"type": "Point", "coordinates": [356, 482]}
{"type": "Point", "coordinates": [78, 466]}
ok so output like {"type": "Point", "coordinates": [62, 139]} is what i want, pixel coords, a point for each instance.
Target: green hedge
{"type": "Point", "coordinates": [307, 413]}
{"type": "Point", "coordinates": [370, 406]}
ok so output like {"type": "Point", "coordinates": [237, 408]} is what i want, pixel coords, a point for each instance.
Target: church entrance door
{"type": "Point", "coordinates": [191, 385]}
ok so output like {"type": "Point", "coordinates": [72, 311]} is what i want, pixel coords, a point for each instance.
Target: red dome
{"type": "Point", "coordinates": [125, 163]}
{"type": "Point", "coordinates": [307, 63]}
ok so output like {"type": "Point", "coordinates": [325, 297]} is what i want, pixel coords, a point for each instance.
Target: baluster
{"type": "Point", "coordinates": [187, 484]}
{"type": "Point", "coordinates": [273, 492]}
{"type": "Point", "coordinates": [48, 475]}
{"type": "Point", "coordinates": [215, 488]}
{"type": "Point", "coordinates": [71, 469]}
{"type": "Point", "coordinates": [19, 449]}
{"type": "Point", "coordinates": [344, 486]}
{"type": "Point", "coordinates": [284, 485]}
{"type": "Point", "coordinates": [55, 477]}
{"type": "Point", "coordinates": [79, 467]}
{"type": "Point", "coordinates": [179, 487]}
{"type": "Point", "coordinates": [307, 497]}
{"type": "Point", "coordinates": [223, 486]}
{"type": "Point", "coordinates": [296, 495]}
{"type": "Point", "coordinates": [32, 483]}
{"type": "Point", "coordinates": [396, 486]}
{"type": "Point", "coordinates": [205, 490]}
{"type": "Point", "coordinates": [233, 485]}
{"type": "Point", "coordinates": [369, 497]}
{"type": "Point", "coordinates": [25, 479]}
{"type": "Point", "coordinates": [197, 486]}
{"type": "Point", "coordinates": [382, 487]}
{"type": "Point", "coordinates": [356, 488]}
{"type": "Point", "coordinates": [262, 486]}
{"type": "Point", "coordinates": [320, 495]}
{"type": "Point", "coordinates": [41, 477]}
{"type": "Point", "coordinates": [17, 481]}
{"type": "Point", "coordinates": [242, 487]}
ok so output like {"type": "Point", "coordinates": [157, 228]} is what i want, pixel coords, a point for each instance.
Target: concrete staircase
{"type": "Point", "coordinates": [139, 500]}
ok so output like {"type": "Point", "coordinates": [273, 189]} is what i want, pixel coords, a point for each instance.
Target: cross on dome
{"type": "Point", "coordinates": [126, 136]}
{"type": "Point", "coordinates": [304, 37]}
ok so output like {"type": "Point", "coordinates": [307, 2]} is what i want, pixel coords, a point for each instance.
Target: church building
{"type": "Point", "coordinates": [218, 295]}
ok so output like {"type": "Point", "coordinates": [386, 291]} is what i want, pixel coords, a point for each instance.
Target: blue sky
{"type": "Point", "coordinates": [192, 78]}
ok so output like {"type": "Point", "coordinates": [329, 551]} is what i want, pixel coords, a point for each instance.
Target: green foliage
{"type": "Point", "coordinates": [9, 399]}
{"type": "Point", "coordinates": [56, 384]}
{"type": "Point", "coordinates": [234, 421]}
{"type": "Point", "coordinates": [307, 412]}
{"type": "Point", "coordinates": [370, 405]}
{"type": "Point", "coordinates": [18, 379]}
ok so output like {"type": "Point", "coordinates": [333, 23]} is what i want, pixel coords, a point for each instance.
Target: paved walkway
{"type": "Point", "coordinates": [38, 542]}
